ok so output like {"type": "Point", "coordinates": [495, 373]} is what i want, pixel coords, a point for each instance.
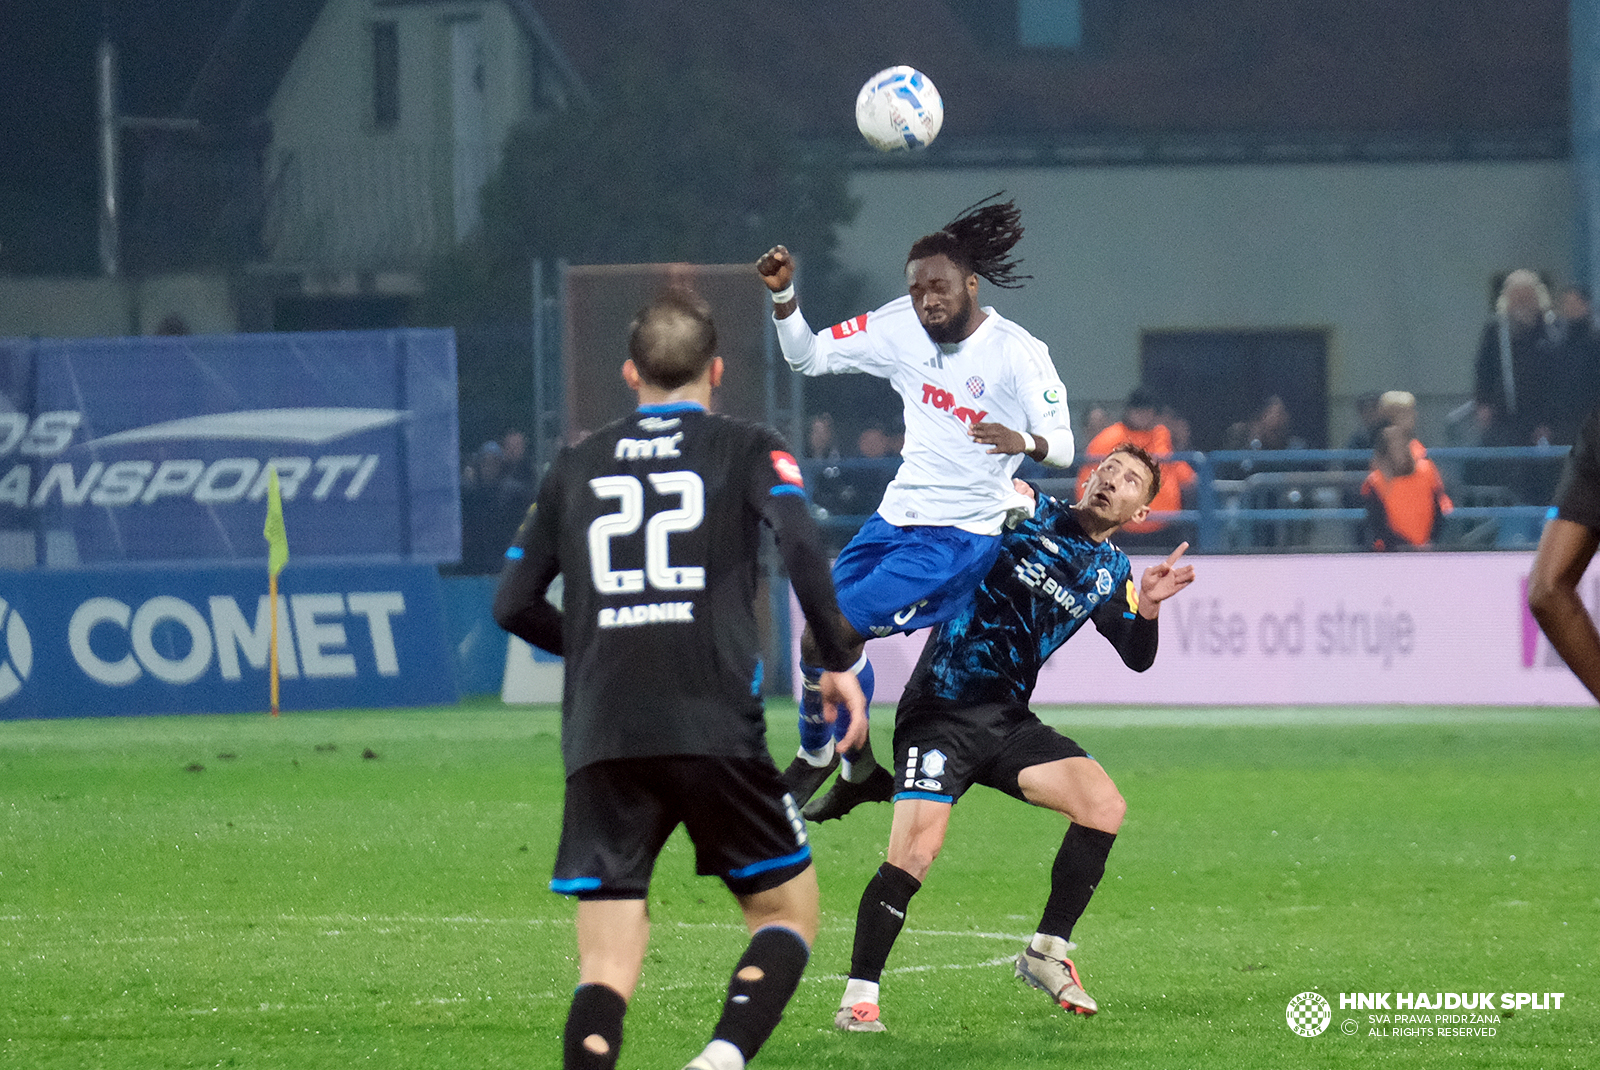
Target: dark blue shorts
{"type": "Point", "coordinates": [891, 579]}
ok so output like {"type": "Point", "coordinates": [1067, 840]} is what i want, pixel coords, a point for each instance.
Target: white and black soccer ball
{"type": "Point", "coordinates": [899, 109]}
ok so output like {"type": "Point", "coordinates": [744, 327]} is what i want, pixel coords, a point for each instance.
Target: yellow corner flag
{"type": "Point", "coordinates": [277, 556]}
{"type": "Point", "coordinates": [277, 537]}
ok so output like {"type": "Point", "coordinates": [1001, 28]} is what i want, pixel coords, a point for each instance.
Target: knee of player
{"type": "Point", "coordinates": [1542, 596]}
{"type": "Point", "coordinates": [917, 857]}
{"type": "Point", "coordinates": [1105, 812]}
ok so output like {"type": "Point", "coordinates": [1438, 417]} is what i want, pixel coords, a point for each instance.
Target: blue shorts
{"type": "Point", "coordinates": [891, 579]}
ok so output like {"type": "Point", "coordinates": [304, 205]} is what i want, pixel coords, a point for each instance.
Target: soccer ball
{"type": "Point", "coordinates": [899, 109]}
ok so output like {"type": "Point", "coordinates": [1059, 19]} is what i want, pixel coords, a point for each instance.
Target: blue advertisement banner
{"type": "Point", "coordinates": [103, 642]}
{"type": "Point", "coordinates": [157, 449]}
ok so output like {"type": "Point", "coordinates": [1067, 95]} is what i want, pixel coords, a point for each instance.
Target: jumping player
{"type": "Point", "coordinates": [978, 393]}
{"type": "Point", "coordinates": [964, 720]}
{"type": "Point", "coordinates": [654, 522]}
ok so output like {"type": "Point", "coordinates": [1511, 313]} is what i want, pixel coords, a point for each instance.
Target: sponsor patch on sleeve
{"type": "Point", "coordinates": [849, 327]}
{"type": "Point", "coordinates": [787, 467]}
{"type": "Point", "coordinates": [1133, 595]}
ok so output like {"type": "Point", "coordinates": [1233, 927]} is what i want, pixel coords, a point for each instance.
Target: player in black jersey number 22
{"type": "Point", "coordinates": [654, 523]}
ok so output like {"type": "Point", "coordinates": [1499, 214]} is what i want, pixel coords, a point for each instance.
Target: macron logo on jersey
{"type": "Point", "coordinates": [945, 401]}
{"type": "Point", "coordinates": [849, 327]}
{"type": "Point", "coordinates": [787, 467]}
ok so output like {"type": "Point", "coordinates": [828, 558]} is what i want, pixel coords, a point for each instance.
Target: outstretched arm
{"type": "Point", "coordinates": [1160, 582]}
{"type": "Point", "coordinates": [1565, 550]}
{"type": "Point", "coordinates": [776, 268]}
{"type": "Point", "coordinates": [1136, 635]}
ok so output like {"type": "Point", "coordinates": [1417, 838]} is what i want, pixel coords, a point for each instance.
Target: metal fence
{"type": "Point", "coordinates": [1278, 501]}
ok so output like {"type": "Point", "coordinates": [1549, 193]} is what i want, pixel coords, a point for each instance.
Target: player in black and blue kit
{"type": "Point", "coordinates": [654, 522]}
{"type": "Point", "coordinates": [964, 720]}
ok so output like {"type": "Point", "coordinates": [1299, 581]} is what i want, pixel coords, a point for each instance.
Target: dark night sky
{"type": "Point", "coordinates": [47, 109]}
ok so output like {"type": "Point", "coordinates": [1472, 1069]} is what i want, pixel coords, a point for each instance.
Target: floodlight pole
{"type": "Point", "coordinates": [106, 98]}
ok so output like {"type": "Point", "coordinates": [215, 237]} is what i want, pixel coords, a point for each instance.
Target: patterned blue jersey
{"type": "Point", "coordinates": [1049, 579]}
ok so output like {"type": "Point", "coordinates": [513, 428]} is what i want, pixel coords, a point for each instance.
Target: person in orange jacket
{"type": "Point", "coordinates": [1404, 493]}
{"type": "Point", "coordinates": [1140, 426]}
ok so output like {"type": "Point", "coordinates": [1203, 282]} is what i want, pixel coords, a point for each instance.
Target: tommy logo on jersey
{"type": "Point", "coordinates": [941, 399]}
{"type": "Point", "coordinates": [849, 327]}
{"type": "Point", "coordinates": [787, 467]}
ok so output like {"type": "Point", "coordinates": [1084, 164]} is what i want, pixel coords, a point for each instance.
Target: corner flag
{"type": "Point", "coordinates": [277, 556]}
{"type": "Point", "coordinates": [277, 538]}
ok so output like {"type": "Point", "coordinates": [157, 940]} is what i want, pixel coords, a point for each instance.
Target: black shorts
{"type": "Point", "coordinates": [940, 752]}
{"type": "Point", "coordinates": [618, 814]}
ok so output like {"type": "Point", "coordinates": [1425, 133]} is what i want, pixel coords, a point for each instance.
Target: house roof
{"type": "Point", "coordinates": [261, 40]}
{"type": "Point", "coordinates": [1152, 67]}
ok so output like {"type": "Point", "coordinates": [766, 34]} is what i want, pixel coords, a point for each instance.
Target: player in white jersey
{"type": "Point", "coordinates": [978, 392]}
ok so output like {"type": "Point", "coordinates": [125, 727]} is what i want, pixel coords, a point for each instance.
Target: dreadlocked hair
{"type": "Point", "coordinates": [978, 240]}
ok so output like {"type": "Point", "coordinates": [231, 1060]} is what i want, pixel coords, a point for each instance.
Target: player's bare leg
{"type": "Point", "coordinates": [1081, 789]}
{"type": "Point", "coordinates": [783, 926]}
{"type": "Point", "coordinates": [612, 937]}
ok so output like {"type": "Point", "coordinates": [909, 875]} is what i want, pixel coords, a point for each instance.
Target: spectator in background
{"type": "Point", "coordinates": [495, 496]}
{"type": "Point", "coordinates": [1365, 437]}
{"type": "Point", "coordinates": [1515, 376]}
{"type": "Point", "coordinates": [870, 481]}
{"type": "Point", "coordinates": [1178, 425]}
{"type": "Point", "coordinates": [518, 464]}
{"type": "Point", "coordinates": [831, 491]}
{"type": "Point", "coordinates": [1140, 426]}
{"type": "Point", "coordinates": [1398, 409]}
{"type": "Point", "coordinates": [1096, 420]}
{"type": "Point", "coordinates": [1579, 363]}
{"type": "Point", "coordinates": [874, 442]}
{"type": "Point", "coordinates": [820, 444]}
{"type": "Point", "coordinates": [1404, 494]}
{"type": "Point", "coordinates": [1268, 429]}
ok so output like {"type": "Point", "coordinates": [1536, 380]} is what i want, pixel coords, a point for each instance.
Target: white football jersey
{"type": "Point", "coordinates": [1000, 373]}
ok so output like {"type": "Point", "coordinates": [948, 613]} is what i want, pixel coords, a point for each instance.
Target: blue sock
{"type": "Point", "coordinates": [814, 731]}
{"type": "Point", "coordinates": [865, 676]}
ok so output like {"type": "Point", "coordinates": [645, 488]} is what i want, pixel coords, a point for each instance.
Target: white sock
{"type": "Point", "coordinates": [858, 991]}
{"type": "Point", "coordinates": [818, 758]}
{"type": "Point", "coordinates": [1051, 946]}
{"type": "Point", "coordinates": [720, 1055]}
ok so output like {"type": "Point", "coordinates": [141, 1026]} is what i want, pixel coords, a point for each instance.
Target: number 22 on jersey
{"type": "Point", "coordinates": [628, 493]}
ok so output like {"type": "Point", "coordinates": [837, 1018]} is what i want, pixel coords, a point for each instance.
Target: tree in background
{"type": "Point", "coordinates": [687, 167]}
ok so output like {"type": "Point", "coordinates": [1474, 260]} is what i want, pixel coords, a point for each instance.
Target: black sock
{"type": "Point", "coordinates": [1078, 867]}
{"type": "Point", "coordinates": [597, 1010]}
{"type": "Point", "coordinates": [879, 919]}
{"type": "Point", "coordinates": [861, 762]}
{"type": "Point", "coordinates": [762, 983]}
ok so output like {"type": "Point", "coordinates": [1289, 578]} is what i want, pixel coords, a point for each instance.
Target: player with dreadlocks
{"type": "Point", "coordinates": [978, 393]}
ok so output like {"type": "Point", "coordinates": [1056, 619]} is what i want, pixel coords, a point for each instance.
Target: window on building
{"type": "Point", "coordinates": [385, 75]}
{"type": "Point", "coordinates": [1050, 24]}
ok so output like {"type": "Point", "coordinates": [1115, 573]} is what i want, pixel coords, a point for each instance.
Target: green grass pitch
{"type": "Point", "coordinates": [368, 889]}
